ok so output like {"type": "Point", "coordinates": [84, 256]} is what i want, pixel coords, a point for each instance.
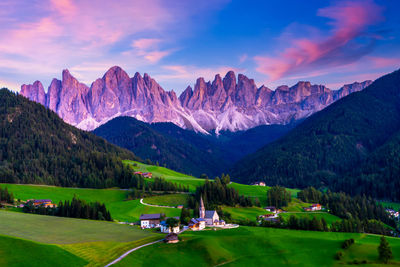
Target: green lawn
{"type": "Point", "coordinates": [172, 200]}
{"type": "Point", "coordinates": [256, 246]}
{"type": "Point", "coordinates": [245, 213]}
{"type": "Point", "coordinates": [296, 205]}
{"type": "Point", "coordinates": [19, 253]}
{"type": "Point", "coordinates": [114, 199]}
{"type": "Point", "coordinates": [329, 218]}
{"type": "Point", "coordinates": [393, 205]}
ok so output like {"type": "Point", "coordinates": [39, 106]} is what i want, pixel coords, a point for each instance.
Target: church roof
{"type": "Point", "coordinates": [209, 214]}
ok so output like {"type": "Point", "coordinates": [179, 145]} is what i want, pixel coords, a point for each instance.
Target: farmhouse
{"type": "Point", "coordinates": [313, 207]}
{"type": "Point", "coordinates": [393, 213]}
{"type": "Point", "coordinates": [164, 227]}
{"type": "Point", "coordinates": [260, 183]}
{"type": "Point", "coordinates": [150, 220]}
{"type": "Point", "coordinates": [147, 175]}
{"type": "Point", "coordinates": [42, 202]}
{"type": "Point", "coordinates": [197, 224]}
{"type": "Point", "coordinates": [271, 209]}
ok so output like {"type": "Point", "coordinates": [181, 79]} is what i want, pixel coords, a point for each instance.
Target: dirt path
{"type": "Point", "coordinates": [130, 251]}
{"type": "Point", "coordinates": [158, 206]}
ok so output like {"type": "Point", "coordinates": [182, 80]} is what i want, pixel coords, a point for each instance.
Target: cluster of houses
{"type": "Point", "coordinates": [393, 213]}
{"type": "Point", "coordinates": [47, 203]}
{"type": "Point", "coordinates": [313, 207]}
{"type": "Point", "coordinates": [158, 220]}
{"type": "Point", "coordinates": [258, 183]}
{"type": "Point", "coordinates": [144, 174]}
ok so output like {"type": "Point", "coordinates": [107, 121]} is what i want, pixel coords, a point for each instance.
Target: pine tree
{"type": "Point", "coordinates": [385, 251]}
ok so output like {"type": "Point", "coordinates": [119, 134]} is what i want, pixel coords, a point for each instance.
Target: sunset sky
{"type": "Point", "coordinates": [274, 42]}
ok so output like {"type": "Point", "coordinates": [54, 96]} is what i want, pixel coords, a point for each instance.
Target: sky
{"type": "Point", "coordinates": [175, 42]}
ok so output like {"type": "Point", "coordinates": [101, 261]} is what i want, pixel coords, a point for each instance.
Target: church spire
{"type": "Point", "coordinates": [202, 209]}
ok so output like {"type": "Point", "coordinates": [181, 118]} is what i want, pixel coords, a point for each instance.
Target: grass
{"type": "Point", "coordinates": [329, 218]}
{"type": "Point", "coordinates": [16, 252]}
{"type": "Point", "coordinates": [256, 246]}
{"type": "Point", "coordinates": [169, 200]}
{"type": "Point", "coordinates": [245, 213]}
{"type": "Point", "coordinates": [393, 205]}
{"type": "Point", "coordinates": [296, 205]}
{"type": "Point", "coordinates": [114, 199]}
{"type": "Point", "coordinates": [60, 230]}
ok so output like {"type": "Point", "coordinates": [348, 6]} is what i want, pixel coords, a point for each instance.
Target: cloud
{"type": "Point", "coordinates": [347, 42]}
{"type": "Point", "coordinates": [243, 58]}
{"type": "Point", "coordinates": [148, 48]}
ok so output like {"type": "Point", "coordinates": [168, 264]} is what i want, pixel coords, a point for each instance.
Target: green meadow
{"type": "Point", "coordinates": [248, 213]}
{"type": "Point", "coordinates": [172, 200]}
{"type": "Point", "coordinates": [329, 218]}
{"type": "Point", "coordinates": [256, 246]}
{"type": "Point", "coordinates": [78, 241]}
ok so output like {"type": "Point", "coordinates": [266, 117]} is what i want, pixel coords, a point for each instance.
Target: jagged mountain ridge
{"type": "Point", "coordinates": [224, 104]}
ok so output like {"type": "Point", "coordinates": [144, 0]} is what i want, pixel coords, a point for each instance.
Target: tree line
{"type": "Point", "coordinates": [76, 208]}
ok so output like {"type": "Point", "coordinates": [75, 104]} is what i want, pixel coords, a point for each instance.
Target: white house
{"type": "Point", "coordinates": [150, 220]}
{"type": "Point", "coordinates": [166, 229]}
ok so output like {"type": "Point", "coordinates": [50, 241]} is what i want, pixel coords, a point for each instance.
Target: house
{"type": "Point", "coordinates": [270, 209]}
{"type": "Point", "coordinates": [210, 216]}
{"type": "Point", "coordinates": [166, 229]}
{"type": "Point", "coordinates": [267, 216]}
{"type": "Point", "coordinates": [42, 202]}
{"type": "Point", "coordinates": [138, 173]}
{"type": "Point", "coordinates": [197, 224]}
{"type": "Point", "coordinates": [180, 206]}
{"type": "Point", "coordinates": [150, 220]}
{"type": "Point", "coordinates": [147, 175]}
{"type": "Point", "coordinates": [260, 183]}
{"type": "Point", "coordinates": [171, 238]}
{"type": "Point", "coordinates": [313, 207]}
{"type": "Point", "coordinates": [393, 213]}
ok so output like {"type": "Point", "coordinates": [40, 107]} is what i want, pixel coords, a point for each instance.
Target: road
{"type": "Point", "coordinates": [158, 206]}
{"type": "Point", "coordinates": [130, 251]}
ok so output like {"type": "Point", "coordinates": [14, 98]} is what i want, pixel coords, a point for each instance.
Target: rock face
{"type": "Point", "coordinates": [223, 104]}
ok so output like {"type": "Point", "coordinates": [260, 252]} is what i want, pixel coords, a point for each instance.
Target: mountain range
{"type": "Point", "coordinates": [352, 146]}
{"type": "Point", "coordinates": [230, 103]}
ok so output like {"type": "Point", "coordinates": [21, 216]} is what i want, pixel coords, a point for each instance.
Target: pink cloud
{"type": "Point", "coordinates": [146, 43]}
{"type": "Point", "coordinates": [349, 21]}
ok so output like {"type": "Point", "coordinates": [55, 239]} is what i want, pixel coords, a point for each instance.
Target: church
{"type": "Point", "coordinates": [210, 216]}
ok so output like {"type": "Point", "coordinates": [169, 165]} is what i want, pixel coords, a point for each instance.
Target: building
{"type": "Point", "coordinates": [180, 206]}
{"type": "Point", "coordinates": [270, 209]}
{"type": "Point", "coordinates": [210, 216]}
{"type": "Point", "coordinates": [197, 224]}
{"type": "Point", "coordinates": [313, 207]}
{"type": "Point", "coordinates": [42, 202]}
{"type": "Point", "coordinates": [166, 229]}
{"type": "Point", "coordinates": [138, 173]}
{"type": "Point", "coordinates": [147, 175]}
{"type": "Point", "coordinates": [171, 238]}
{"type": "Point", "coordinates": [260, 183]}
{"type": "Point", "coordinates": [151, 220]}
{"type": "Point", "coordinates": [393, 213]}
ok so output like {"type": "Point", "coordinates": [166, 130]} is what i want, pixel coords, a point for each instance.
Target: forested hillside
{"type": "Point", "coordinates": [37, 147]}
{"type": "Point", "coordinates": [352, 146]}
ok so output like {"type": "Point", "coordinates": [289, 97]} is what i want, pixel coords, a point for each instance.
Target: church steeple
{"type": "Point", "coordinates": [202, 209]}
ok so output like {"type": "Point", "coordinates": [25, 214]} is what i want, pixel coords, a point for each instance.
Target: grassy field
{"type": "Point", "coordinates": [296, 205]}
{"type": "Point", "coordinates": [329, 218]}
{"type": "Point", "coordinates": [93, 242]}
{"type": "Point", "coordinates": [255, 246]}
{"type": "Point", "coordinates": [245, 213]}
{"type": "Point", "coordinates": [169, 200]}
{"type": "Point", "coordinates": [19, 253]}
{"type": "Point", "coordinates": [248, 190]}
{"type": "Point", "coordinates": [114, 199]}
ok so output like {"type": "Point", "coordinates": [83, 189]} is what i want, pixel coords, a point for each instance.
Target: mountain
{"type": "Point", "coordinates": [353, 146]}
{"type": "Point", "coordinates": [38, 147]}
{"type": "Point", "coordinates": [194, 155]}
{"type": "Point", "coordinates": [233, 104]}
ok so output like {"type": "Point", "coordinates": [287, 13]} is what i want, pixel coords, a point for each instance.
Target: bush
{"type": "Point", "coordinates": [347, 243]}
{"type": "Point", "coordinates": [339, 255]}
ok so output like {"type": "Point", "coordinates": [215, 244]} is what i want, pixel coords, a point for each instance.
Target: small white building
{"type": "Point", "coordinates": [150, 220]}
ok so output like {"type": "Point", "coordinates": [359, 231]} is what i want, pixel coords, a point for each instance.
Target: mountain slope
{"type": "Point", "coordinates": [335, 146]}
{"type": "Point", "coordinates": [232, 103]}
{"type": "Point", "coordinates": [36, 146]}
{"type": "Point", "coordinates": [194, 157]}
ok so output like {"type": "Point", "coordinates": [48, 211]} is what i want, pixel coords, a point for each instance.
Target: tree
{"type": "Point", "coordinates": [385, 251]}
{"type": "Point", "coordinates": [185, 216]}
{"type": "Point", "coordinates": [172, 222]}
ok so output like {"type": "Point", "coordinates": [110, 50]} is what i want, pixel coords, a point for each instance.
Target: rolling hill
{"type": "Point", "coordinates": [37, 147]}
{"type": "Point", "coordinates": [351, 146]}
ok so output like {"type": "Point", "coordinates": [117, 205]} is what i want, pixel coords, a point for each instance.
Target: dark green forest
{"type": "Point", "coordinates": [37, 147]}
{"type": "Point", "coordinates": [352, 145]}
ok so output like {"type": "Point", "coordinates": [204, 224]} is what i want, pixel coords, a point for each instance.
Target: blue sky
{"type": "Point", "coordinates": [274, 42]}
